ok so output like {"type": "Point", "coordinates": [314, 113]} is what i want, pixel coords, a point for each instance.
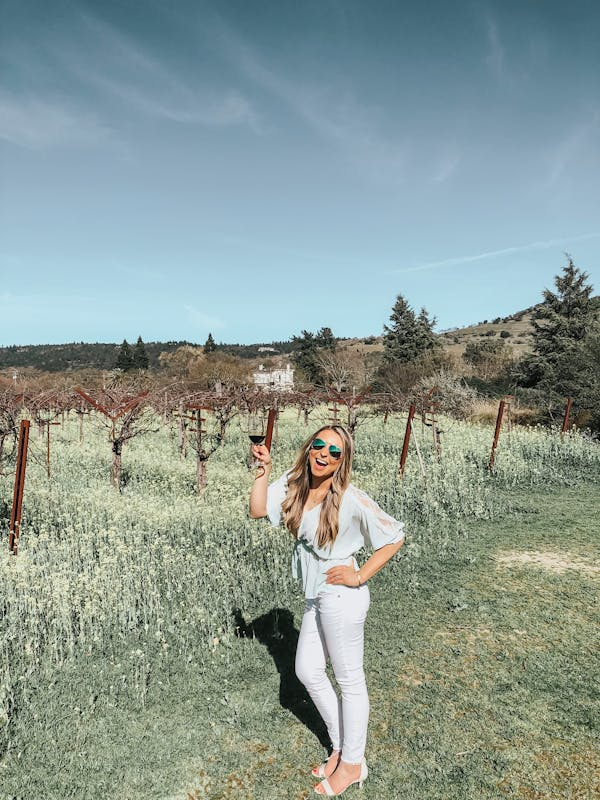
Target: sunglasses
{"type": "Point", "coordinates": [334, 450]}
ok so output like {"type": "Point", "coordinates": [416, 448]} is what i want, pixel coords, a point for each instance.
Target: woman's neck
{"type": "Point", "coordinates": [320, 486]}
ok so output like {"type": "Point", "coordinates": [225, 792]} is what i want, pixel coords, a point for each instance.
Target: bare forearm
{"type": "Point", "coordinates": [348, 576]}
{"type": "Point", "coordinates": [258, 493]}
{"type": "Point", "coordinates": [378, 560]}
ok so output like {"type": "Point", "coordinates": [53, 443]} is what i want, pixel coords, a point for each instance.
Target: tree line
{"type": "Point", "coordinates": [564, 360]}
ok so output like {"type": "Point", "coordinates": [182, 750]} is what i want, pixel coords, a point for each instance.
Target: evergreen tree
{"type": "Point", "coordinates": [590, 395]}
{"type": "Point", "coordinates": [140, 357]}
{"type": "Point", "coordinates": [305, 353]}
{"type": "Point", "coordinates": [325, 339]}
{"type": "Point", "coordinates": [561, 325]}
{"type": "Point", "coordinates": [209, 344]}
{"type": "Point", "coordinates": [409, 336]}
{"type": "Point", "coordinates": [307, 348]}
{"type": "Point", "coordinates": [426, 338]}
{"type": "Point", "coordinates": [125, 357]}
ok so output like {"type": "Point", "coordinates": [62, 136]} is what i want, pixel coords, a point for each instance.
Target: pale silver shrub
{"type": "Point", "coordinates": [456, 399]}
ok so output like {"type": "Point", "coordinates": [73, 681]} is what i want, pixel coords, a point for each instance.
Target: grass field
{"type": "Point", "coordinates": [126, 677]}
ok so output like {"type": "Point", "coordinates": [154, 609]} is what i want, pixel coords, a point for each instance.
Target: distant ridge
{"type": "Point", "coordinates": [75, 355]}
{"type": "Point", "coordinates": [103, 356]}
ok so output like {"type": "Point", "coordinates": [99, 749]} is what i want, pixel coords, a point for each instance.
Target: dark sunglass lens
{"type": "Point", "coordinates": [334, 451]}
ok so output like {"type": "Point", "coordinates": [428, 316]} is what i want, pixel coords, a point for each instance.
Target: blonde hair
{"type": "Point", "coordinates": [299, 485]}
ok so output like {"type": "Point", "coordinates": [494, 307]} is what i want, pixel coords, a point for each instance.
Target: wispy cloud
{"type": "Point", "coordinates": [133, 75]}
{"type": "Point", "coordinates": [201, 320]}
{"type": "Point", "coordinates": [541, 245]}
{"type": "Point", "coordinates": [331, 111]}
{"type": "Point", "coordinates": [30, 122]}
{"type": "Point", "coordinates": [98, 57]}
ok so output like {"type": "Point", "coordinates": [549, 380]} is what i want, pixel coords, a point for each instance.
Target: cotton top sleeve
{"type": "Point", "coordinates": [276, 493]}
{"type": "Point", "coordinates": [376, 527]}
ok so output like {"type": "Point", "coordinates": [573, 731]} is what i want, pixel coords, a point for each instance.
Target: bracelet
{"type": "Point", "coordinates": [359, 578]}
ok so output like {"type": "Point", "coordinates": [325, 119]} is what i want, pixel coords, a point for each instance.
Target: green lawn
{"type": "Point", "coordinates": [482, 667]}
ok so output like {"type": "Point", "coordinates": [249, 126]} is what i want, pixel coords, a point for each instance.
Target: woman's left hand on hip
{"type": "Point", "coordinates": [344, 576]}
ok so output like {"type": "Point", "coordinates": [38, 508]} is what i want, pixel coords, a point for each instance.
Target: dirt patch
{"type": "Point", "coordinates": [556, 562]}
{"type": "Point", "coordinates": [411, 677]}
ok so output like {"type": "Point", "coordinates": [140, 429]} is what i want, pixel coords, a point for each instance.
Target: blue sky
{"type": "Point", "coordinates": [258, 168]}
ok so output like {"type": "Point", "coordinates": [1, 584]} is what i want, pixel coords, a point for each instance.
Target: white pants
{"type": "Point", "coordinates": [333, 628]}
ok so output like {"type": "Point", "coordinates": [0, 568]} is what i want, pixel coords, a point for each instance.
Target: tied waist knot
{"type": "Point", "coordinates": [322, 563]}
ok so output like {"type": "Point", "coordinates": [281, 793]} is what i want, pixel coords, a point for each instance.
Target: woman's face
{"type": "Point", "coordinates": [322, 463]}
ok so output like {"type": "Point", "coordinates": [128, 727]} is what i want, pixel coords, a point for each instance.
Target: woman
{"type": "Point", "coordinates": [330, 520]}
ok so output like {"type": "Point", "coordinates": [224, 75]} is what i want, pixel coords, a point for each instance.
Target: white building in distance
{"type": "Point", "coordinates": [276, 380]}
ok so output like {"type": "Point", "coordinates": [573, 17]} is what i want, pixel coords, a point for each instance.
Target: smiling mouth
{"type": "Point", "coordinates": [320, 462]}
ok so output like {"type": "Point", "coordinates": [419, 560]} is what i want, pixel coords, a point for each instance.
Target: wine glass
{"type": "Point", "coordinates": [255, 428]}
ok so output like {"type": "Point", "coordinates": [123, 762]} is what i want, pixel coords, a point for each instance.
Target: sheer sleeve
{"type": "Point", "coordinates": [276, 493]}
{"type": "Point", "coordinates": [377, 527]}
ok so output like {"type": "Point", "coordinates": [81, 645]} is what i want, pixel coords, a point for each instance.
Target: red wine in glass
{"type": "Point", "coordinates": [255, 428]}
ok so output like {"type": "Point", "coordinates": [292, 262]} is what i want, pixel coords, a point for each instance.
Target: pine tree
{"type": "Point", "coordinates": [209, 344]}
{"type": "Point", "coordinates": [305, 353]}
{"type": "Point", "coordinates": [140, 357]}
{"type": "Point", "coordinates": [426, 338]}
{"type": "Point", "coordinates": [325, 339]}
{"type": "Point", "coordinates": [561, 325]}
{"type": "Point", "coordinates": [125, 357]}
{"type": "Point", "coordinates": [307, 348]}
{"type": "Point", "coordinates": [409, 336]}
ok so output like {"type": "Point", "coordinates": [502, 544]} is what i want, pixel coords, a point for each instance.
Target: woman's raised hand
{"type": "Point", "coordinates": [261, 453]}
{"type": "Point", "coordinates": [344, 576]}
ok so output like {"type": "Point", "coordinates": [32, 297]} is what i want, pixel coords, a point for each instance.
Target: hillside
{"type": "Point", "coordinates": [516, 330]}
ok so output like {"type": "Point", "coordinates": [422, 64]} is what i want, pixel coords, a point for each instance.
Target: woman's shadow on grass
{"type": "Point", "coordinates": [277, 632]}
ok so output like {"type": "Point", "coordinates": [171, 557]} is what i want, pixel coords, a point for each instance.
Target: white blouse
{"type": "Point", "coordinates": [361, 522]}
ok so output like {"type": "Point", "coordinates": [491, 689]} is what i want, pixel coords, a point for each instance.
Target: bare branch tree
{"type": "Point", "coordinates": [126, 414]}
{"type": "Point", "coordinates": [9, 425]}
{"type": "Point", "coordinates": [220, 410]}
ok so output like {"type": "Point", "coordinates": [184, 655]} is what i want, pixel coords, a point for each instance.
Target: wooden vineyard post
{"type": "Point", "coordinates": [411, 414]}
{"type": "Point", "coordinates": [334, 419]}
{"type": "Point", "coordinates": [80, 412]}
{"type": "Point", "coordinates": [193, 413]}
{"type": "Point", "coordinates": [201, 474]}
{"type": "Point", "coordinates": [565, 425]}
{"type": "Point", "coordinates": [496, 434]}
{"type": "Point", "coordinates": [270, 425]}
{"type": "Point", "coordinates": [182, 452]}
{"type": "Point", "coordinates": [429, 420]}
{"type": "Point", "coordinates": [17, 506]}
